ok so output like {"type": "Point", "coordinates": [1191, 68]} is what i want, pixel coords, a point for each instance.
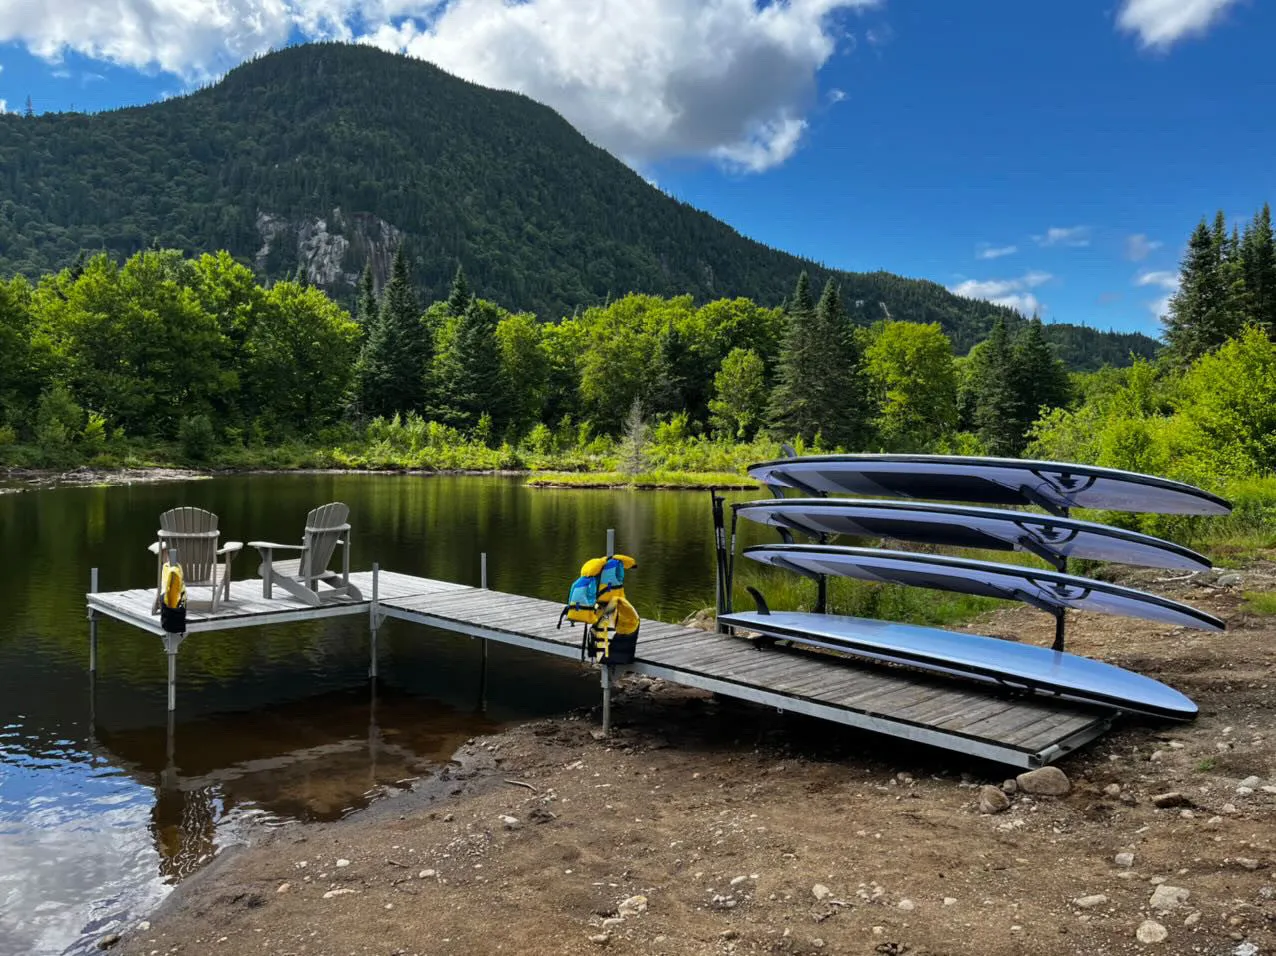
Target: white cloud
{"type": "Point", "coordinates": [1138, 247]}
{"type": "Point", "coordinates": [1161, 23]}
{"type": "Point", "coordinates": [4, 106]}
{"type": "Point", "coordinates": [836, 96]}
{"type": "Point", "coordinates": [1015, 293]}
{"type": "Point", "coordinates": [1168, 282]}
{"type": "Point", "coordinates": [1072, 236]}
{"type": "Point", "coordinates": [731, 79]}
{"type": "Point", "coordinates": [986, 251]}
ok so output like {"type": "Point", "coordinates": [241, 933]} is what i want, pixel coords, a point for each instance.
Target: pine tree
{"type": "Point", "coordinates": [469, 373]}
{"type": "Point", "coordinates": [1206, 311]}
{"type": "Point", "coordinates": [1040, 378]}
{"type": "Point", "coordinates": [993, 396]}
{"type": "Point", "coordinates": [794, 411]}
{"type": "Point", "coordinates": [397, 351]}
{"type": "Point", "coordinates": [1258, 261]}
{"type": "Point", "coordinates": [366, 311]}
{"type": "Point", "coordinates": [633, 445]}
{"type": "Point", "coordinates": [838, 384]}
{"type": "Point", "coordinates": [301, 277]}
{"type": "Point", "coordinates": [460, 297]}
{"type": "Point", "coordinates": [30, 110]}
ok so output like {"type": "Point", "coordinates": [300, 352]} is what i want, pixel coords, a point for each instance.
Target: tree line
{"type": "Point", "coordinates": [166, 349]}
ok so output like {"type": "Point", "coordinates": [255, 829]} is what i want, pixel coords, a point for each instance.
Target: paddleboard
{"type": "Point", "coordinates": [987, 659]}
{"type": "Point", "coordinates": [961, 526]}
{"type": "Point", "coordinates": [1048, 590]}
{"type": "Point", "coordinates": [989, 481]}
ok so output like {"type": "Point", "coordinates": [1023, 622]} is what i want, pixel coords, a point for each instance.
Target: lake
{"type": "Point", "coordinates": [104, 807]}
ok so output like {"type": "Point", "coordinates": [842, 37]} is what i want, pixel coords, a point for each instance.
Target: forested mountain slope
{"type": "Point", "coordinates": [328, 155]}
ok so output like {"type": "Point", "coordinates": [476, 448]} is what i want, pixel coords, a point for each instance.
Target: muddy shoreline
{"type": "Point", "coordinates": [35, 478]}
{"type": "Point", "coordinates": [708, 826]}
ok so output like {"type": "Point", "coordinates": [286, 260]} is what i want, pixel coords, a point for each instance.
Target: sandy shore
{"type": "Point", "coordinates": [706, 826]}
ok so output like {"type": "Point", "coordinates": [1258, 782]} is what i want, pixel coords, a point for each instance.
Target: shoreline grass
{"type": "Point", "coordinates": [646, 481]}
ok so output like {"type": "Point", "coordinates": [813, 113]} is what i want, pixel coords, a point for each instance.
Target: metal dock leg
{"type": "Point", "coordinates": [92, 627]}
{"type": "Point", "coordinates": [483, 673]}
{"type": "Point", "coordinates": [171, 643]}
{"type": "Point", "coordinates": [373, 622]}
{"type": "Point", "coordinates": [606, 678]}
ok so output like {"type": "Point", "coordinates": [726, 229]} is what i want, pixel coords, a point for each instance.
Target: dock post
{"type": "Point", "coordinates": [92, 626]}
{"type": "Point", "coordinates": [170, 646]}
{"type": "Point", "coordinates": [483, 672]}
{"type": "Point", "coordinates": [611, 541]}
{"type": "Point", "coordinates": [606, 679]}
{"type": "Point", "coordinates": [373, 622]}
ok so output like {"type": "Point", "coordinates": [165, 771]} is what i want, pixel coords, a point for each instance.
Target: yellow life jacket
{"type": "Point", "coordinates": [601, 579]}
{"type": "Point", "coordinates": [173, 585]}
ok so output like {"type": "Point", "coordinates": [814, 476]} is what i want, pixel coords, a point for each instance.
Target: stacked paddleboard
{"type": "Point", "coordinates": [959, 514]}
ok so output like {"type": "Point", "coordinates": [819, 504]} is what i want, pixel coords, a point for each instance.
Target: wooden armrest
{"type": "Point", "coordinates": [272, 546]}
{"type": "Point", "coordinates": [231, 547]}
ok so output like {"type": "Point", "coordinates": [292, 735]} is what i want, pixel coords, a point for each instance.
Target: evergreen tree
{"type": "Point", "coordinates": [468, 377]}
{"type": "Point", "coordinates": [459, 297]}
{"type": "Point", "coordinates": [1206, 311]}
{"type": "Point", "coordinates": [838, 385]}
{"type": "Point", "coordinates": [301, 277]}
{"type": "Point", "coordinates": [794, 409]}
{"type": "Point", "coordinates": [366, 311]}
{"type": "Point", "coordinates": [1258, 261]}
{"type": "Point", "coordinates": [669, 381]}
{"type": "Point", "coordinates": [1041, 380]}
{"type": "Point", "coordinates": [993, 397]}
{"type": "Point", "coordinates": [397, 350]}
{"type": "Point", "coordinates": [30, 110]}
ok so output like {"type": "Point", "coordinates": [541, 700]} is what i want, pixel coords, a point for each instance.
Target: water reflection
{"type": "Point", "coordinates": [104, 806]}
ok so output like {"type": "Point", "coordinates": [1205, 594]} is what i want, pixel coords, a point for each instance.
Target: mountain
{"type": "Point", "coordinates": [329, 155]}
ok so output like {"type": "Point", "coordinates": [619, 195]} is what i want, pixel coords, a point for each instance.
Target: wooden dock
{"type": "Point", "coordinates": [1018, 730]}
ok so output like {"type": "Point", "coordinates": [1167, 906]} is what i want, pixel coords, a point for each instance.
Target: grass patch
{"type": "Point", "coordinates": [1261, 602]}
{"type": "Point", "coordinates": [646, 480]}
{"type": "Point", "coordinates": [1204, 766]}
{"type": "Point", "coordinates": [887, 602]}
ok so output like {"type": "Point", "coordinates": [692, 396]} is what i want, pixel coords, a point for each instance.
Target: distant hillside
{"type": "Point", "coordinates": [328, 155]}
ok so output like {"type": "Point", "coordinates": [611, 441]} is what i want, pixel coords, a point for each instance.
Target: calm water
{"type": "Point", "coordinates": [104, 806]}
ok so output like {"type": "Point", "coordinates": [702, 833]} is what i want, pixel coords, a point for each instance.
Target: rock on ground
{"type": "Point", "coordinates": [1166, 897]}
{"type": "Point", "coordinates": [1045, 782]}
{"type": "Point", "coordinates": [1150, 931]}
{"type": "Point", "coordinates": [992, 800]}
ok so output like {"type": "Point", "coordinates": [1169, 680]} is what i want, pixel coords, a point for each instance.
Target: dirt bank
{"type": "Point", "coordinates": [703, 826]}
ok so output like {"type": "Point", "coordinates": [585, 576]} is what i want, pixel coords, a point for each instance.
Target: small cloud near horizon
{"type": "Point", "coordinates": [1074, 237]}
{"type": "Point", "coordinates": [989, 251]}
{"type": "Point", "coordinates": [1138, 247]}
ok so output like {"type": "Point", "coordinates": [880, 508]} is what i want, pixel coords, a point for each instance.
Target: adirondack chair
{"type": "Point", "coordinates": [191, 533]}
{"type": "Point", "coordinates": [326, 527]}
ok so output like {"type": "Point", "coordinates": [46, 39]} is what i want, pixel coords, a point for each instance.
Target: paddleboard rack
{"type": "Point", "coordinates": [964, 502]}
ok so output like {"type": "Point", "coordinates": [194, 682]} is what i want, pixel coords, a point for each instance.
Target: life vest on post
{"type": "Point", "coordinates": [597, 601]}
{"type": "Point", "coordinates": [172, 599]}
{"type": "Point", "coordinates": [601, 580]}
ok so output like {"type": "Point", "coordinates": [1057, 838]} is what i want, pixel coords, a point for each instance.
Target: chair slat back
{"type": "Point", "coordinates": [193, 533]}
{"type": "Point", "coordinates": [325, 526]}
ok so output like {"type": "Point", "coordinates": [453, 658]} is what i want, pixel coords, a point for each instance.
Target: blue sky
{"type": "Point", "coordinates": [1051, 156]}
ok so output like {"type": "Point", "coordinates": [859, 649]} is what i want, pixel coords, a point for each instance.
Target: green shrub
{"type": "Point", "coordinates": [197, 437]}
